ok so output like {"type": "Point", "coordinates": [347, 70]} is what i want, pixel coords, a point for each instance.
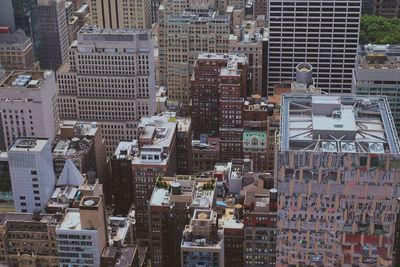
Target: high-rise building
{"type": "Point", "coordinates": [171, 206]}
{"type": "Point", "coordinates": [49, 33]}
{"type": "Point", "coordinates": [155, 5]}
{"type": "Point", "coordinates": [184, 145]}
{"type": "Point", "coordinates": [16, 52]}
{"type": "Point", "coordinates": [130, 14]}
{"type": "Point", "coordinates": [377, 72]}
{"type": "Point", "coordinates": [110, 79]}
{"type": "Point", "coordinates": [83, 144]}
{"type": "Point", "coordinates": [122, 177]}
{"type": "Point", "coordinates": [82, 234]}
{"type": "Point", "coordinates": [27, 106]}
{"type": "Point", "coordinates": [336, 170]}
{"type": "Point", "coordinates": [322, 33]}
{"type": "Point", "coordinates": [182, 38]}
{"type": "Point", "coordinates": [253, 42]}
{"type": "Point", "coordinates": [205, 154]}
{"type": "Point", "coordinates": [155, 156]}
{"type": "Point", "coordinates": [23, 236]}
{"type": "Point", "coordinates": [387, 8]}
{"type": "Point", "coordinates": [202, 241]}
{"type": "Point", "coordinates": [260, 8]}
{"type": "Point", "coordinates": [31, 172]}
{"type": "Point", "coordinates": [7, 14]}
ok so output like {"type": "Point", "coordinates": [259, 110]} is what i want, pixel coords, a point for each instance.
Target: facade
{"type": "Point", "coordinates": [131, 14]}
{"type": "Point", "coordinates": [171, 205]}
{"type": "Point", "coordinates": [322, 33]}
{"type": "Point", "coordinates": [155, 156]}
{"type": "Point", "coordinates": [22, 9]}
{"type": "Point", "coordinates": [49, 33]}
{"type": "Point", "coordinates": [260, 229]}
{"type": "Point", "coordinates": [233, 88]}
{"type": "Point", "coordinates": [83, 144]}
{"type": "Point", "coordinates": [122, 177]}
{"type": "Point", "coordinates": [233, 238]}
{"type": "Point", "coordinates": [337, 174]}
{"type": "Point", "coordinates": [23, 236]}
{"type": "Point", "coordinates": [16, 52]}
{"type": "Point", "coordinates": [387, 8]}
{"type": "Point", "coordinates": [155, 5]}
{"type": "Point", "coordinates": [205, 154]}
{"type": "Point", "coordinates": [31, 172]}
{"type": "Point", "coordinates": [184, 146]}
{"type": "Point", "coordinates": [183, 37]}
{"type": "Point", "coordinates": [252, 41]}
{"type": "Point", "coordinates": [260, 8]}
{"type": "Point", "coordinates": [81, 235]}
{"type": "Point", "coordinates": [36, 115]}
{"type": "Point", "coordinates": [202, 241]}
{"type": "Point", "coordinates": [116, 92]}
{"type": "Point", "coordinates": [377, 72]}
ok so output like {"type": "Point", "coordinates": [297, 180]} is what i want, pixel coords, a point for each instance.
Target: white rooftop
{"type": "Point", "coordinates": [29, 144]}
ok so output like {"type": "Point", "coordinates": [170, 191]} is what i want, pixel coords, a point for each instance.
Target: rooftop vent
{"type": "Point", "coordinates": [329, 147]}
{"type": "Point", "coordinates": [348, 147]}
{"type": "Point", "coordinates": [376, 148]}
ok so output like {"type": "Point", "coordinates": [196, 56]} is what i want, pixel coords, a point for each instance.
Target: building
{"type": "Point", "coordinates": [82, 234]}
{"type": "Point", "coordinates": [233, 228]}
{"type": "Point", "coordinates": [182, 38]}
{"type": "Point", "coordinates": [31, 172]}
{"type": "Point", "coordinates": [155, 156]}
{"type": "Point", "coordinates": [336, 160]}
{"type": "Point", "coordinates": [116, 92]}
{"type": "Point", "coordinates": [205, 154]}
{"type": "Point", "coordinates": [202, 241]}
{"type": "Point", "coordinates": [260, 224]}
{"type": "Point", "coordinates": [6, 198]}
{"type": "Point", "coordinates": [155, 5]}
{"type": "Point", "coordinates": [322, 33]}
{"type": "Point", "coordinates": [131, 14]}
{"type": "Point", "coordinates": [7, 14]}
{"type": "Point", "coordinates": [239, 174]}
{"type": "Point", "coordinates": [252, 41]}
{"type": "Point", "coordinates": [233, 88]}
{"type": "Point", "coordinates": [23, 236]}
{"type": "Point", "coordinates": [204, 93]}
{"type": "Point", "coordinates": [377, 72]}
{"type": "Point", "coordinates": [83, 144]}
{"type": "Point", "coordinates": [22, 9]}
{"type": "Point", "coordinates": [387, 8]}
{"type": "Point", "coordinates": [171, 205]}
{"type": "Point", "coordinates": [36, 115]}
{"type": "Point", "coordinates": [184, 146]}
{"type": "Point", "coordinates": [122, 182]}
{"type": "Point", "coordinates": [49, 33]}
{"type": "Point", "coordinates": [16, 52]}
{"type": "Point", "coordinates": [260, 8]}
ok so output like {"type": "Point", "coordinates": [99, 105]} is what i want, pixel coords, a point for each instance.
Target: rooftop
{"type": "Point", "coordinates": [27, 217]}
{"type": "Point", "coordinates": [195, 191]}
{"type": "Point", "coordinates": [28, 144]}
{"type": "Point", "coordinates": [26, 79]}
{"type": "Point", "coordinates": [126, 149]}
{"type": "Point", "coordinates": [62, 197]}
{"type": "Point", "coordinates": [118, 228]}
{"type": "Point", "coordinates": [71, 220]}
{"type": "Point", "coordinates": [333, 123]}
{"type": "Point", "coordinates": [233, 68]}
{"type": "Point", "coordinates": [379, 57]}
{"type": "Point", "coordinates": [13, 39]}
{"type": "Point", "coordinates": [211, 144]}
{"type": "Point", "coordinates": [249, 33]}
{"type": "Point", "coordinates": [94, 30]}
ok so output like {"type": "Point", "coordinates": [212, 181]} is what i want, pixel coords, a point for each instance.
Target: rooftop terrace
{"type": "Point", "coordinates": [26, 79]}
{"type": "Point", "coordinates": [331, 123]}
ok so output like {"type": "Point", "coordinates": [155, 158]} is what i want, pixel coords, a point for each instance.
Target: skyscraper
{"type": "Point", "coordinates": [337, 176]}
{"type": "Point", "coordinates": [110, 79]}
{"type": "Point", "coordinates": [7, 14]}
{"type": "Point", "coordinates": [49, 33]}
{"type": "Point", "coordinates": [322, 33]}
{"type": "Point", "coordinates": [31, 172]}
{"type": "Point", "coordinates": [128, 14]}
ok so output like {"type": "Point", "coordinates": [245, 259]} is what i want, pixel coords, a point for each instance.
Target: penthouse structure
{"type": "Point", "coordinates": [27, 106]}
{"type": "Point", "coordinates": [202, 241]}
{"type": "Point", "coordinates": [31, 172]}
{"type": "Point", "coordinates": [337, 174]}
{"type": "Point", "coordinates": [23, 236]}
{"type": "Point", "coordinates": [171, 205]}
{"type": "Point", "coordinates": [323, 33]}
{"type": "Point", "coordinates": [252, 41]}
{"type": "Point", "coordinates": [110, 79]}
{"type": "Point", "coordinates": [184, 37]}
{"type": "Point", "coordinates": [154, 156]}
{"type": "Point", "coordinates": [16, 52]}
{"type": "Point", "coordinates": [377, 72]}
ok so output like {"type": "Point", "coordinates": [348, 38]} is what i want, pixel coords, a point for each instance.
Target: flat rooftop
{"type": "Point", "coordinates": [71, 220]}
{"type": "Point", "coordinates": [94, 30]}
{"type": "Point", "coordinates": [26, 217]}
{"type": "Point", "coordinates": [25, 79]}
{"type": "Point", "coordinates": [333, 123]}
{"type": "Point", "coordinates": [29, 144]}
{"type": "Point", "coordinates": [379, 57]}
{"type": "Point", "coordinates": [13, 39]}
{"type": "Point", "coordinates": [125, 149]}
